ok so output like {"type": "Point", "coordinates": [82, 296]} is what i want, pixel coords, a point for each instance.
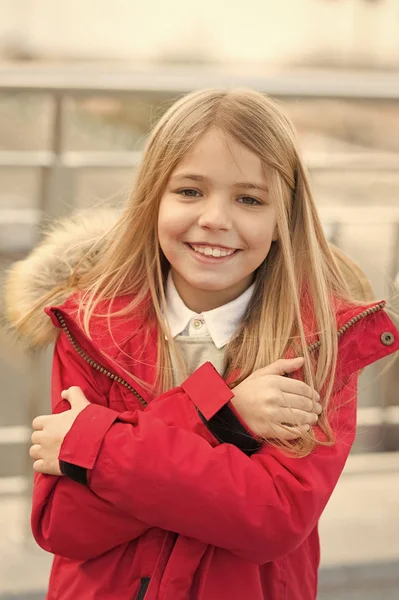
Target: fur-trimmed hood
{"type": "Point", "coordinates": [77, 240]}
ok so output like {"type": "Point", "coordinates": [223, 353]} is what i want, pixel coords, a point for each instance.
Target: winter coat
{"type": "Point", "coordinates": [170, 497]}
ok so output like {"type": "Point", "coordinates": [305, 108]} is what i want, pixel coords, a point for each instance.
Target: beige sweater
{"type": "Point", "coordinates": [197, 350]}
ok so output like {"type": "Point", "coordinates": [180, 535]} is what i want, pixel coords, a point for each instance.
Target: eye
{"type": "Point", "coordinates": [249, 201]}
{"type": "Point", "coordinates": [189, 193]}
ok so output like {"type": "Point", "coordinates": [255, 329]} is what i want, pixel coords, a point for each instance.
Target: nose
{"type": "Point", "coordinates": [216, 214]}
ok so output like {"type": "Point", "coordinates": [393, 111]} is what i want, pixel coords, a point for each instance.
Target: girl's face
{"type": "Point", "coordinates": [216, 221]}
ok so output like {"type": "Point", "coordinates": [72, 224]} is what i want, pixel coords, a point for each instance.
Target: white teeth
{"type": "Point", "coordinates": [208, 251]}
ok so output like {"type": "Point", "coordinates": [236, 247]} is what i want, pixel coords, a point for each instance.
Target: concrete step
{"type": "Point", "coordinates": [374, 581]}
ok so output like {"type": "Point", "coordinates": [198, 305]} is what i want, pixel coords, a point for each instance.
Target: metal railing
{"type": "Point", "coordinates": [77, 81]}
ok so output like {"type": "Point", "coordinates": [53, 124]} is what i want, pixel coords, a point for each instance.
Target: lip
{"type": "Point", "coordinates": [202, 258]}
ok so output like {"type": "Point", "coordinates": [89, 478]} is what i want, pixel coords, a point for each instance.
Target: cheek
{"type": "Point", "coordinates": [259, 238]}
{"type": "Point", "coordinates": [165, 224]}
{"type": "Point", "coordinates": [171, 216]}
{"type": "Point", "coordinates": [172, 222]}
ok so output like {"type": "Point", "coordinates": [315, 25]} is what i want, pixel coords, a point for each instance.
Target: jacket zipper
{"type": "Point", "coordinates": [93, 363]}
{"type": "Point", "coordinates": [351, 322]}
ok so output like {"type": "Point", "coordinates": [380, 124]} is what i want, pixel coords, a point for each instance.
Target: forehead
{"type": "Point", "coordinates": [218, 156]}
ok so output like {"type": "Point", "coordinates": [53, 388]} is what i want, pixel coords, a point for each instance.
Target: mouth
{"type": "Point", "coordinates": [206, 253]}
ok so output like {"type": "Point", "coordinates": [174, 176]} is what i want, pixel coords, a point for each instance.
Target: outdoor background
{"type": "Point", "coordinates": [81, 83]}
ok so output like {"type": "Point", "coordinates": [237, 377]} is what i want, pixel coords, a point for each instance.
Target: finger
{"type": "Point", "coordinates": [293, 433]}
{"type": "Point", "coordinates": [295, 386]}
{"type": "Point", "coordinates": [37, 437]}
{"type": "Point", "coordinates": [318, 409]}
{"type": "Point", "coordinates": [47, 468]}
{"type": "Point", "coordinates": [284, 366]}
{"type": "Point", "coordinates": [38, 466]}
{"type": "Point", "coordinates": [75, 397]}
{"type": "Point", "coordinates": [294, 417]}
{"type": "Point", "coordinates": [71, 392]}
{"type": "Point", "coordinates": [300, 403]}
{"type": "Point", "coordinates": [38, 422]}
{"type": "Point", "coordinates": [35, 451]}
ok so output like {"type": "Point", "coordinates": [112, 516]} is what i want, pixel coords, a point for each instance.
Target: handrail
{"type": "Point", "coordinates": [117, 79]}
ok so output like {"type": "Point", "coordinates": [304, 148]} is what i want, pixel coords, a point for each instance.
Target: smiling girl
{"type": "Point", "coordinates": [205, 369]}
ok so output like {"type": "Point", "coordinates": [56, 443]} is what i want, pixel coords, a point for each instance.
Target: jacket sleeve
{"type": "Point", "coordinates": [259, 507]}
{"type": "Point", "coordinates": [70, 519]}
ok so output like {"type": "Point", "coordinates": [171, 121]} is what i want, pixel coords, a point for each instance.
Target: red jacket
{"type": "Point", "coordinates": [170, 498]}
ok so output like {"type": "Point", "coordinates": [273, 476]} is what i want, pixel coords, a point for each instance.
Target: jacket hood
{"type": "Point", "coordinates": [78, 241]}
{"type": "Point", "coordinates": [30, 282]}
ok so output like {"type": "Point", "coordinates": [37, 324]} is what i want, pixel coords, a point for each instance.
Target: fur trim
{"type": "Point", "coordinates": [30, 282]}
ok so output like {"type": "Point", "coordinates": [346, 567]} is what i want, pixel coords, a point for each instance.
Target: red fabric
{"type": "Point", "coordinates": [166, 500]}
{"type": "Point", "coordinates": [197, 388]}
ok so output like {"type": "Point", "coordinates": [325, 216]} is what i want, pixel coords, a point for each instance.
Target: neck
{"type": "Point", "coordinates": [200, 300]}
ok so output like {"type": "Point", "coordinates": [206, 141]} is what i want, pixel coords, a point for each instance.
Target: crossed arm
{"type": "Point", "coordinates": [164, 468]}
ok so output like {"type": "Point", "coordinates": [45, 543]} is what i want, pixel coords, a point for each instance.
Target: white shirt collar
{"type": "Point", "coordinates": [221, 322]}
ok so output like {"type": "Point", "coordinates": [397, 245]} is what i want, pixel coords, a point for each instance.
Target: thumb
{"type": "Point", "coordinates": [75, 396]}
{"type": "Point", "coordinates": [283, 366]}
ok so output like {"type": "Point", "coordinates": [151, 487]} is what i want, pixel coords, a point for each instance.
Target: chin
{"type": "Point", "coordinates": [211, 286]}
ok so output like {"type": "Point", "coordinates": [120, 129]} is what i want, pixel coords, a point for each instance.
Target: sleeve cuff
{"type": "Point", "coordinates": [207, 390]}
{"type": "Point", "coordinates": [211, 395]}
{"type": "Point", "coordinates": [83, 441]}
{"type": "Point", "coordinates": [78, 474]}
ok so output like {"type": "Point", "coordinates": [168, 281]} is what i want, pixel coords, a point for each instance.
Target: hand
{"type": "Point", "coordinates": [50, 431]}
{"type": "Point", "coordinates": [266, 400]}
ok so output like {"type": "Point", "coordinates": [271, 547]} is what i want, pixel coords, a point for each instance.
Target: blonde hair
{"type": "Point", "coordinates": [295, 287]}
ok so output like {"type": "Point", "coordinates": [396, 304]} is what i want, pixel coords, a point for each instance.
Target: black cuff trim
{"type": "Point", "coordinates": [228, 429]}
{"type": "Point", "coordinates": [78, 474]}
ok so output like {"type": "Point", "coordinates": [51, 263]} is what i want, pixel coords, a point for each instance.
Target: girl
{"type": "Point", "coordinates": [182, 462]}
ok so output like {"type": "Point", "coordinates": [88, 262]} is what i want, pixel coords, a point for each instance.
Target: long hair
{"type": "Point", "coordinates": [296, 285]}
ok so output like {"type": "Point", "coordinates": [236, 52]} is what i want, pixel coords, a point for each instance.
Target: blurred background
{"type": "Point", "coordinates": [81, 83]}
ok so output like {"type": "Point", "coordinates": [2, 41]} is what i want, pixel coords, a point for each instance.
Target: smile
{"type": "Point", "coordinates": [211, 253]}
{"type": "Point", "coordinates": [212, 250]}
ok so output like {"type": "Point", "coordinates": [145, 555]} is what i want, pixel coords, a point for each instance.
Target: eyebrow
{"type": "Point", "coordinates": [248, 185]}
